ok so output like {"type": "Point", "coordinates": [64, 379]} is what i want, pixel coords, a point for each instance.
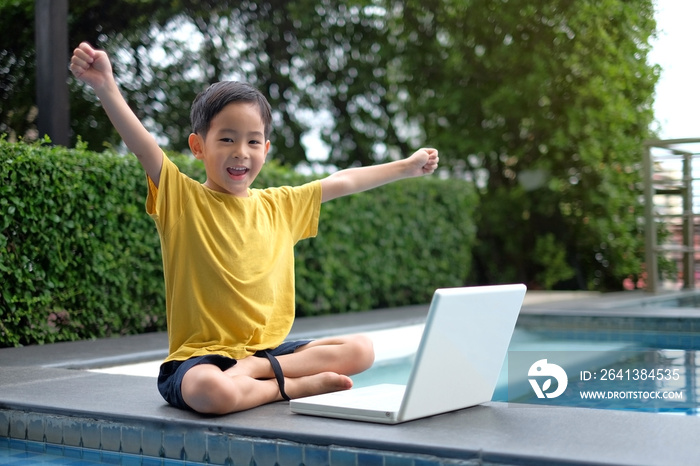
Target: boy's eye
{"type": "Point", "coordinates": [226, 140]}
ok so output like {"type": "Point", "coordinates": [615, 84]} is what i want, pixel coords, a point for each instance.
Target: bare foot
{"type": "Point", "coordinates": [324, 382]}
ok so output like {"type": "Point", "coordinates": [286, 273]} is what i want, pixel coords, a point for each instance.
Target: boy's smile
{"type": "Point", "coordinates": [234, 148]}
{"type": "Point", "coordinates": [237, 172]}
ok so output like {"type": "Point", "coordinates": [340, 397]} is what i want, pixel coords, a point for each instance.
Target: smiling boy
{"type": "Point", "coordinates": [228, 251]}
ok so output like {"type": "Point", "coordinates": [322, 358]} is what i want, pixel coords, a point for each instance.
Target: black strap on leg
{"type": "Point", "coordinates": [277, 369]}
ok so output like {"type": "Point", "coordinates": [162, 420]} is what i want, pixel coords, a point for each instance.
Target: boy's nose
{"type": "Point", "coordinates": [239, 152]}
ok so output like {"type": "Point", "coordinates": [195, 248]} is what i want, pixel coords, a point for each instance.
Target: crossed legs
{"type": "Point", "coordinates": [321, 366]}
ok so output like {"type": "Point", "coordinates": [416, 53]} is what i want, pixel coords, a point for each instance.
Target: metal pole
{"type": "Point", "coordinates": [688, 234]}
{"type": "Point", "coordinates": [652, 268]}
{"type": "Point", "coordinates": [51, 39]}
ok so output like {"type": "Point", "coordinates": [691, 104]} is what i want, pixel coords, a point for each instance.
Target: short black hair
{"type": "Point", "coordinates": [212, 100]}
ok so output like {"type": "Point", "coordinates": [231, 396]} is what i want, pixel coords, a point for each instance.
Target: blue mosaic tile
{"type": "Point", "coordinates": [370, 459]}
{"type": "Point", "coordinates": [218, 449]}
{"type": "Point", "coordinates": [4, 423]}
{"type": "Point", "coordinates": [315, 456]}
{"type": "Point", "coordinates": [195, 446]}
{"type": "Point", "coordinates": [427, 462]}
{"type": "Point", "coordinates": [241, 450]}
{"type": "Point", "coordinates": [174, 445]}
{"type": "Point", "coordinates": [18, 425]}
{"type": "Point", "coordinates": [71, 433]}
{"type": "Point", "coordinates": [35, 427]}
{"type": "Point", "coordinates": [131, 439]}
{"type": "Point", "coordinates": [395, 459]}
{"type": "Point", "coordinates": [290, 454]}
{"type": "Point", "coordinates": [53, 430]}
{"type": "Point", "coordinates": [90, 435]}
{"type": "Point", "coordinates": [344, 457]}
{"type": "Point", "coordinates": [151, 442]}
{"type": "Point", "coordinates": [265, 452]}
{"type": "Point", "coordinates": [110, 437]}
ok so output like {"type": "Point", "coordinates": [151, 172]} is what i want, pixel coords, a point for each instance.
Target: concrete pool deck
{"type": "Point", "coordinates": [44, 398]}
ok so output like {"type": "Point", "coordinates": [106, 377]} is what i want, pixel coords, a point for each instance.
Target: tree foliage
{"type": "Point", "coordinates": [547, 106]}
{"type": "Point", "coordinates": [544, 105]}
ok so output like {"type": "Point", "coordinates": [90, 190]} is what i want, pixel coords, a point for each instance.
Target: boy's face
{"type": "Point", "coordinates": [234, 149]}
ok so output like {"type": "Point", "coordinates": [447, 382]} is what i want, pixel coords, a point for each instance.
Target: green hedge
{"type": "Point", "coordinates": [80, 258]}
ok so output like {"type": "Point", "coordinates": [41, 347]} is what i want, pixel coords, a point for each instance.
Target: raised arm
{"type": "Point", "coordinates": [355, 180]}
{"type": "Point", "coordinates": [93, 67]}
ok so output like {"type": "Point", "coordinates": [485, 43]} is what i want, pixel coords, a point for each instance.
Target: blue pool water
{"type": "Point", "coordinates": [627, 388]}
{"type": "Point", "coordinates": [28, 453]}
{"type": "Point", "coordinates": [647, 380]}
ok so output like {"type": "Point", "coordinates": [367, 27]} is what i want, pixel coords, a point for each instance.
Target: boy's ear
{"type": "Point", "coordinates": [267, 149]}
{"type": "Point", "coordinates": [196, 145]}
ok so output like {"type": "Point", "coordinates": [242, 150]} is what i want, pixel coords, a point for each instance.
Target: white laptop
{"type": "Point", "coordinates": [459, 359]}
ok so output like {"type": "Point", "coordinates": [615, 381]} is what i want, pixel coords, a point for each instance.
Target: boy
{"type": "Point", "coordinates": [228, 255]}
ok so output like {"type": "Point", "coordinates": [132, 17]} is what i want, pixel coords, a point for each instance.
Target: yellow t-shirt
{"type": "Point", "coordinates": [228, 262]}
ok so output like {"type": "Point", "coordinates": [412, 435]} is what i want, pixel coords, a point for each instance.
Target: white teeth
{"type": "Point", "coordinates": [236, 170]}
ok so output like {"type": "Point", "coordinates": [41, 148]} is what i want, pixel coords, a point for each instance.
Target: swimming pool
{"type": "Point", "coordinates": [29, 453]}
{"type": "Point", "coordinates": [602, 375]}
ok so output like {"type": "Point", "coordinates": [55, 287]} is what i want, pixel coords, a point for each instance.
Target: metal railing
{"type": "Point", "coordinates": [671, 208]}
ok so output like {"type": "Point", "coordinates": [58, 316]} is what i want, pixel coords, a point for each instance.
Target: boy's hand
{"type": "Point", "coordinates": [423, 162]}
{"type": "Point", "coordinates": [91, 66]}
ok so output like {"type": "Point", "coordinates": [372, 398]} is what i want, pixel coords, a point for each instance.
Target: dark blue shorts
{"type": "Point", "coordinates": [172, 372]}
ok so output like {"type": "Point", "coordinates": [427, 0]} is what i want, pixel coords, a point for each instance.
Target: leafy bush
{"type": "Point", "coordinates": [80, 258]}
